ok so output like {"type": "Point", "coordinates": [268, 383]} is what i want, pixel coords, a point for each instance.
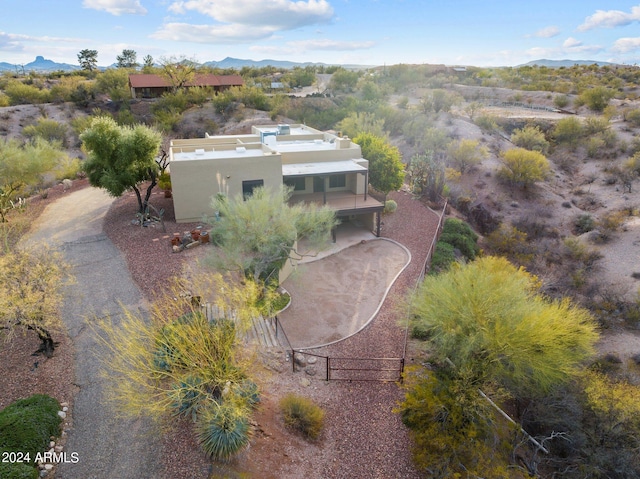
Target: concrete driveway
{"type": "Point", "coordinates": [108, 447]}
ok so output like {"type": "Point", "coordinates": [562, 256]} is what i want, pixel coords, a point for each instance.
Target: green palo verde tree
{"type": "Point", "coordinates": [489, 331]}
{"type": "Point", "coordinates": [121, 157]}
{"type": "Point", "coordinates": [386, 170]}
{"type": "Point", "coordinates": [257, 234]}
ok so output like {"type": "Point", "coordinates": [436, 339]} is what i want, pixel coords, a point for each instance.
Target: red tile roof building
{"type": "Point", "coordinates": [151, 86]}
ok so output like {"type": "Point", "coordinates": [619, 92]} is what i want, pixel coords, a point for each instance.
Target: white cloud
{"type": "Point", "coordinates": [571, 43]}
{"type": "Point", "coordinates": [547, 32]}
{"type": "Point", "coordinates": [302, 46]}
{"type": "Point", "coordinates": [17, 42]}
{"type": "Point", "coordinates": [570, 47]}
{"type": "Point", "coordinates": [220, 34]}
{"type": "Point", "coordinates": [116, 7]}
{"type": "Point", "coordinates": [243, 21]}
{"type": "Point", "coordinates": [277, 14]}
{"type": "Point", "coordinates": [625, 45]}
{"type": "Point", "coordinates": [610, 19]}
{"type": "Point", "coordinates": [332, 45]}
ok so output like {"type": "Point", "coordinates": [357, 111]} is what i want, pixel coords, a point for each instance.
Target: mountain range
{"type": "Point", "coordinates": [41, 64]}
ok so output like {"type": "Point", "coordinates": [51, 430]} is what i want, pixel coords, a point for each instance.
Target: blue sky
{"type": "Point", "coordinates": [369, 32]}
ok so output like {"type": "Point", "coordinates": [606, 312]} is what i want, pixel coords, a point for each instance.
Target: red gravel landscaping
{"type": "Point", "coordinates": [363, 437]}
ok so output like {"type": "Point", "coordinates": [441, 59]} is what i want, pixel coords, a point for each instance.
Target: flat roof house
{"type": "Point", "coordinates": [320, 167]}
{"type": "Point", "coordinates": [143, 85]}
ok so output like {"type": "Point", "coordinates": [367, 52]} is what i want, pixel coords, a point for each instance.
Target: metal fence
{"type": "Point", "coordinates": [332, 368]}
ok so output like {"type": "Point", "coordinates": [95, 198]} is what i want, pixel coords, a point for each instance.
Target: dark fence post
{"type": "Point", "coordinates": [328, 366]}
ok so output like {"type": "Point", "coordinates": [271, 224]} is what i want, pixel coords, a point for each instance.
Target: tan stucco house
{"type": "Point", "coordinates": [320, 167]}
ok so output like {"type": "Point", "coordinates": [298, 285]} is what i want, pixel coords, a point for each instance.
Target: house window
{"type": "Point", "coordinates": [337, 181]}
{"type": "Point", "coordinates": [250, 185]}
{"type": "Point", "coordinates": [298, 183]}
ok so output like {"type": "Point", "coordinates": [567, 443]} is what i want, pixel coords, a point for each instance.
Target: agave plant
{"type": "Point", "coordinates": [187, 396]}
{"type": "Point", "coordinates": [223, 430]}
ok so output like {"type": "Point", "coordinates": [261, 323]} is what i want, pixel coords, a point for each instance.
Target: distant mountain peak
{"type": "Point", "coordinates": [563, 63]}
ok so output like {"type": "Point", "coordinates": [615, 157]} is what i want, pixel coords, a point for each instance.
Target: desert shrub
{"type": "Point", "coordinates": [568, 131]}
{"type": "Point", "coordinates": [223, 430]}
{"type": "Point", "coordinates": [115, 83]}
{"type": "Point", "coordinates": [534, 227]}
{"type": "Point", "coordinates": [26, 425]}
{"type": "Point", "coordinates": [167, 120]}
{"type": "Point", "coordinates": [523, 167]}
{"type": "Point", "coordinates": [47, 129]}
{"type": "Point", "coordinates": [68, 168]}
{"type": "Point", "coordinates": [633, 116]}
{"type": "Point", "coordinates": [64, 88]}
{"type": "Point", "coordinates": [177, 101]}
{"type": "Point", "coordinates": [4, 100]}
{"type": "Point", "coordinates": [509, 241]}
{"type": "Point", "coordinates": [595, 124]}
{"type": "Point", "coordinates": [254, 97]}
{"type": "Point", "coordinates": [576, 250]}
{"type": "Point", "coordinates": [125, 117]}
{"type": "Point", "coordinates": [466, 153]}
{"type": "Point", "coordinates": [594, 146]}
{"type": "Point", "coordinates": [390, 206]}
{"type": "Point", "coordinates": [611, 221]}
{"type": "Point", "coordinates": [584, 223]}
{"type": "Point", "coordinates": [17, 470]}
{"type": "Point", "coordinates": [20, 93]}
{"type": "Point", "coordinates": [81, 123]}
{"type": "Point", "coordinates": [302, 415]}
{"type": "Point", "coordinates": [459, 234]}
{"type": "Point", "coordinates": [487, 123]}
{"type": "Point", "coordinates": [561, 101]}
{"type": "Point", "coordinates": [531, 138]}
{"type": "Point", "coordinates": [596, 98]}
{"type": "Point", "coordinates": [443, 256]}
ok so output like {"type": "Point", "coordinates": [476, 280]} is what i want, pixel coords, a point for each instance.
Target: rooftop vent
{"type": "Point", "coordinates": [284, 129]}
{"type": "Point", "coordinates": [241, 149]}
{"type": "Point", "coordinates": [199, 151]}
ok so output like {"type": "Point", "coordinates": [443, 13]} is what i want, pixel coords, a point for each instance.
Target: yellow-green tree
{"type": "Point", "coordinates": [612, 426]}
{"type": "Point", "coordinates": [177, 361]}
{"type": "Point", "coordinates": [31, 283]}
{"type": "Point", "coordinates": [522, 168]}
{"type": "Point", "coordinates": [23, 166]}
{"type": "Point", "coordinates": [455, 432]}
{"type": "Point", "coordinates": [257, 234]}
{"type": "Point", "coordinates": [531, 138]}
{"type": "Point", "coordinates": [386, 170]}
{"type": "Point", "coordinates": [489, 330]}
{"type": "Point", "coordinates": [463, 154]}
{"type": "Point", "coordinates": [488, 317]}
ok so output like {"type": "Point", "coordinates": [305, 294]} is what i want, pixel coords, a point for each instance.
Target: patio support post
{"type": "Point", "coordinates": [366, 184]}
{"type": "Point", "coordinates": [324, 189]}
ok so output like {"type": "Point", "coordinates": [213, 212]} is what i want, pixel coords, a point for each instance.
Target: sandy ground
{"type": "Point", "coordinates": [337, 296]}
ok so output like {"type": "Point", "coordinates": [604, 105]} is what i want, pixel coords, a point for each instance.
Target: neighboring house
{"type": "Point", "coordinates": [144, 85]}
{"type": "Point", "coordinates": [320, 167]}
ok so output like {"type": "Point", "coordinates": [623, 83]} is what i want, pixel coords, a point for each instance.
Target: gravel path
{"type": "Point", "coordinates": [107, 447]}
